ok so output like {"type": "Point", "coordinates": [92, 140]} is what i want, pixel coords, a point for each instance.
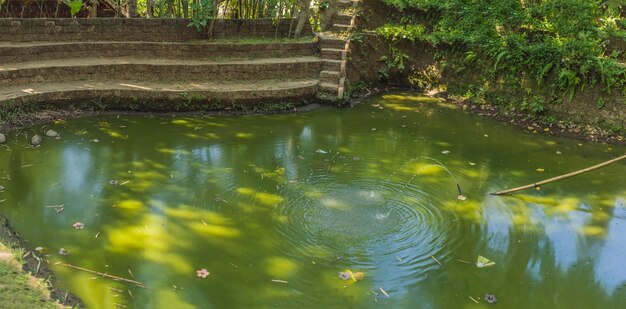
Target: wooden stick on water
{"type": "Point", "coordinates": [554, 179]}
{"type": "Point", "coordinates": [105, 275]}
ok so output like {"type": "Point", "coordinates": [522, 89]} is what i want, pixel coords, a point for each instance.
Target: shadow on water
{"type": "Point", "coordinates": [274, 207]}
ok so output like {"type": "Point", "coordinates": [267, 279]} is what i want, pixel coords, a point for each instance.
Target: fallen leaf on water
{"type": "Point", "coordinates": [482, 261]}
{"type": "Point", "coordinates": [490, 298]}
{"type": "Point", "coordinates": [446, 152]}
{"type": "Point", "coordinates": [202, 273]}
{"type": "Point", "coordinates": [78, 225]}
{"type": "Point", "coordinates": [540, 170]}
{"type": "Point", "coordinates": [461, 197]}
{"type": "Point", "coordinates": [321, 151]}
{"type": "Point", "coordinates": [352, 276]}
{"type": "Point", "coordinates": [472, 163]}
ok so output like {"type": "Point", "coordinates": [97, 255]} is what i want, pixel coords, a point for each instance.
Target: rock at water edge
{"type": "Point", "coordinates": [35, 140]}
{"type": "Point", "coordinates": [51, 133]}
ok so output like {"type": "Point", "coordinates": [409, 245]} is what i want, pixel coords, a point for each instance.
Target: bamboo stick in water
{"type": "Point", "coordinates": [554, 179]}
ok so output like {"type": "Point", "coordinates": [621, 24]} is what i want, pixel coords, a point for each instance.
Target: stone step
{"type": "Point", "coordinates": [21, 52]}
{"type": "Point", "coordinates": [123, 94]}
{"type": "Point", "coordinates": [341, 28]}
{"type": "Point", "coordinates": [330, 76]}
{"type": "Point", "coordinates": [145, 69]}
{"type": "Point", "coordinates": [345, 4]}
{"type": "Point", "coordinates": [333, 54]}
{"type": "Point", "coordinates": [329, 87]}
{"type": "Point", "coordinates": [342, 19]}
{"type": "Point", "coordinates": [332, 42]}
{"type": "Point", "coordinates": [332, 65]}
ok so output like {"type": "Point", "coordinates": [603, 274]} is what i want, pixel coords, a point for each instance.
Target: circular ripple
{"type": "Point", "coordinates": [370, 224]}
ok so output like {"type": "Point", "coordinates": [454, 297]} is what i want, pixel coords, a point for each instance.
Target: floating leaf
{"type": "Point", "coordinates": [202, 273]}
{"type": "Point", "coordinates": [540, 170]}
{"type": "Point", "coordinates": [490, 298]}
{"type": "Point", "coordinates": [321, 151]}
{"type": "Point", "coordinates": [446, 152]}
{"type": "Point", "coordinates": [348, 275]}
{"type": "Point", "coordinates": [472, 163]}
{"type": "Point", "coordinates": [78, 225]}
{"type": "Point", "coordinates": [461, 197]}
{"type": "Point", "coordinates": [484, 262]}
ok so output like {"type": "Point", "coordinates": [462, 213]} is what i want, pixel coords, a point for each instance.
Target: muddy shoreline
{"type": "Point", "coordinates": [36, 265]}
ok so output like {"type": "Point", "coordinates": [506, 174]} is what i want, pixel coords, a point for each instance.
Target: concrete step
{"type": "Point", "coordinates": [345, 4]}
{"type": "Point", "coordinates": [37, 51]}
{"type": "Point", "coordinates": [341, 28]}
{"type": "Point", "coordinates": [333, 54]}
{"type": "Point", "coordinates": [121, 94]}
{"type": "Point", "coordinates": [329, 87]}
{"type": "Point", "coordinates": [342, 19]}
{"type": "Point", "coordinates": [330, 76]}
{"type": "Point", "coordinates": [332, 42]}
{"type": "Point", "coordinates": [332, 65]}
{"type": "Point", "coordinates": [145, 69]}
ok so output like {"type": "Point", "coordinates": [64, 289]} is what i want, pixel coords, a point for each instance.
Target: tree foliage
{"type": "Point", "coordinates": [563, 45]}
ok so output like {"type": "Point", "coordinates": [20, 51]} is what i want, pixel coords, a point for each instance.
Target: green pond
{"type": "Point", "coordinates": [276, 207]}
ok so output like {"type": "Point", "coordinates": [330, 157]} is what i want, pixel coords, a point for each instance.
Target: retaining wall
{"type": "Point", "coordinates": [134, 29]}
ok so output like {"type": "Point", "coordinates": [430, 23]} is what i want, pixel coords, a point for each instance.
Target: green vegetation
{"type": "Point", "coordinates": [539, 51]}
{"type": "Point", "coordinates": [18, 289]}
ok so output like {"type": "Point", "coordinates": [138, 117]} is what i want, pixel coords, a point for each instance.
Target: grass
{"type": "Point", "coordinates": [18, 289]}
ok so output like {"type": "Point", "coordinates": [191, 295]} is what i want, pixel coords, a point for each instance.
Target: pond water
{"type": "Point", "coordinates": [275, 207]}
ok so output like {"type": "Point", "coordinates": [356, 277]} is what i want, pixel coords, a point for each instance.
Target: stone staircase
{"type": "Point", "coordinates": [160, 72]}
{"type": "Point", "coordinates": [334, 46]}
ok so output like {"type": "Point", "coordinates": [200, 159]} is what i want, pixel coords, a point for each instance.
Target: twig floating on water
{"type": "Point", "coordinates": [466, 262]}
{"type": "Point", "coordinates": [279, 281]}
{"type": "Point", "coordinates": [436, 260]}
{"type": "Point", "coordinates": [473, 299]}
{"type": "Point", "coordinates": [140, 284]}
{"type": "Point", "coordinates": [331, 162]}
{"type": "Point", "coordinates": [384, 292]}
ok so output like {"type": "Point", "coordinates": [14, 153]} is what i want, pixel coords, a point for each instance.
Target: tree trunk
{"type": "Point", "coordinates": [170, 8]}
{"type": "Point", "coordinates": [185, 4]}
{"type": "Point", "coordinates": [94, 9]}
{"type": "Point", "coordinates": [293, 11]}
{"type": "Point", "coordinates": [131, 9]}
{"type": "Point", "coordinates": [214, 11]}
{"type": "Point", "coordinates": [303, 17]}
{"type": "Point", "coordinates": [150, 8]}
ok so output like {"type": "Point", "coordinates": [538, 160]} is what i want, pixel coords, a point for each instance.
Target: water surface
{"type": "Point", "coordinates": [274, 207]}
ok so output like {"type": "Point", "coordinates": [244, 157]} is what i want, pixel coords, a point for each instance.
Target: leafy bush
{"type": "Point", "coordinates": [544, 48]}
